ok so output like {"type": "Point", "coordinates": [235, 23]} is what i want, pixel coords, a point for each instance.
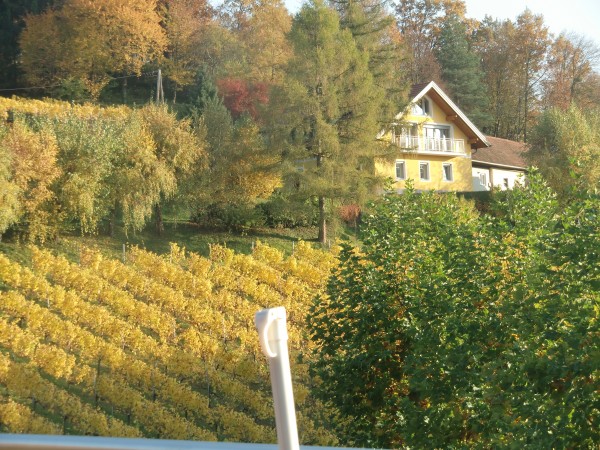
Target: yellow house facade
{"type": "Point", "coordinates": [434, 141]}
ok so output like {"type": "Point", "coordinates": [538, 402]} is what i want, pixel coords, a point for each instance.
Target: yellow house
{"type": "Point", "coordinates": [435, 141]}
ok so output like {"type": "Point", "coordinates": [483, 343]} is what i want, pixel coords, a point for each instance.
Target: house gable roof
{"type": "Point", "coordinates": [432, 90]}
{"type": "Point", "coordinates": [502, 153]}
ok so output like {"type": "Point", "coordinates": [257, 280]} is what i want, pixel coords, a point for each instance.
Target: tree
{"type": "Point", "coordinates": [243, 170]}
{"type": "Point", "coordinates": [200, 93]}
{"type": "Point", "coordinates": [571, 60]}
{"type": "Point", "coordinates": [531, 45]}
{"type": "Point", "coordinates": [420, 23]}
{"type": "Point", "coordinates": [221, 52]}
{"type": "Point", "coordinates": [264, 37]}
{"type": "Point", "coordinates": [375, 32]}
{"type": "Point", "coordinates": [446, 329]}
{"type": "Point", "coordinates": [493, 43]}
{"type": "Point", "coordinates": [10, 206]}
{"type": "Point", "coordinates": [513, 58]}
{"type": "Point", "coordinates": [565, 145]}
{"type": "Point", "coordinates": [333, 106]}
{"type": "Point", "coordinates": [89, 41]}
{"type": "Point", "coordinates": [12, 13]}
{"type": "Point", "coordinates": [184, 22]}
{"type": "Point", "coordinates": [462, 72]}
{"type": "Point", "coordinates": [139, 178]}
{"type": "Point", "coordinates": [87, 150]}
{"type": "Point", "coordinates": [179, 148]}
{"type": "Point", "coordinates": [240, 96]}
{"type": "Point", "coordinates": [33, 157]}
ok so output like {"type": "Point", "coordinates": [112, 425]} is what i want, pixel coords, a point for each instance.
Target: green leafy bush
{"type": "Point", "coordinates": [450, 329]}
{"type": "Point", "coordinates": [228, 216]}
{"type": "Point", "coordinates": [281, 211]}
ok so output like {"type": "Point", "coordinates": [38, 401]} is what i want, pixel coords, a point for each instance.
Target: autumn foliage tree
{"type": "Point", "coordinates": [242, 169]}
{"type": "Point", "coordinates": [32, 158]}
{"type": "Point", "coordinates": [184, 22]}
{"type": "Point", "coordinates": [12, 13]}
{"type": "Point", "coordinates": [90, 41]}
{"type": "Point", "coordinates": [10, 205]}
{"type": "Point", "coordinates": [241, 96]}
{"type": "Point", "coordinates": [179, 147]}
{"type": "Point", "coordinates": [571, 59]}
{"type": "Point", "coordinates": [264, 36]}
{"type": "Point", "coordinates": [94, 165]}
{"type": "Point", "coordinates": [420, 23]}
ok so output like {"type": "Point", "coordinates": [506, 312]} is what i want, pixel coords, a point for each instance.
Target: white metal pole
{"type": "Point", "coordinates": [273, 336]}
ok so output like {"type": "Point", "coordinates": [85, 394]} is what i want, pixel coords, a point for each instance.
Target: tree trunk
{"type": "Point", "coordinates": [322, 221]}
{"type": "Point", "coordinates": [322, 218]}
{"type": "Point", "coordinates": [124, 90]}
{"type": "Point", "coordinates": [111, 223]}
{"type": "Point", "coordinates": [527, 79]}
{"type": "Point", "coordinates": [160, 226]}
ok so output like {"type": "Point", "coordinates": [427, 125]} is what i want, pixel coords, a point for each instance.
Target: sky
{"type": "Point", "coordinates": [580, 16]}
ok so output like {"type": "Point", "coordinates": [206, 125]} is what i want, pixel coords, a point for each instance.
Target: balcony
{"type": "Point", "coordinates": [430, 145]}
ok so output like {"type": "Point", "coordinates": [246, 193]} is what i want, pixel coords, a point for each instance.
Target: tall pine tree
{"type": "Point", "coordinates": [462, 73]}
{"type": "Point", "coordinates": [333, 123]}
{"type": "Point", "coordinates": [376, 34]}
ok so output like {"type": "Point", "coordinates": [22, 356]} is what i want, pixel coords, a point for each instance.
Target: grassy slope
{"type": "Point", "coordinates": [184, 234]}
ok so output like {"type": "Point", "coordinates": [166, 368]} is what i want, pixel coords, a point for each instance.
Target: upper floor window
{"type": "Point", "coordinates": [422, 107]}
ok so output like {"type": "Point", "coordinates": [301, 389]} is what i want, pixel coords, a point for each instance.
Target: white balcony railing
{"type": "Point", "coordinates": [421, 144]}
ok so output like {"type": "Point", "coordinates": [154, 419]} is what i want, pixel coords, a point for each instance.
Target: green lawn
{"type": "Point", "coordinates": [185, 234]}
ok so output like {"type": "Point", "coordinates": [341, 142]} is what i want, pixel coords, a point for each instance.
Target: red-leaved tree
{"type": "Point", "coordinates": [242, 96]}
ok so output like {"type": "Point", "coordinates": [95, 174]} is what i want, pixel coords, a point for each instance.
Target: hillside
{"type": "Point", "coordinates": [158, 346]}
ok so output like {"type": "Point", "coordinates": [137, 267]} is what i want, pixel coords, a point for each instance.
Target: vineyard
{"type": "Point", "coordinates": [154, 346]}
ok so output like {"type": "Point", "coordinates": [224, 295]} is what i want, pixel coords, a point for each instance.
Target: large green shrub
{"type": "Point", "coordinates": [449, 329]}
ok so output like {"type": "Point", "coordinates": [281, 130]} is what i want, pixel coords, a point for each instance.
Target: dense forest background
{"type": "Point", "coordinates": [503, 73]}
{"type": "Point", "coordinates": [247, 93]}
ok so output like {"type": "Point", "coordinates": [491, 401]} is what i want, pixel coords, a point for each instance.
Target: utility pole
{"type": "Point", "coordinates": [160, 94]}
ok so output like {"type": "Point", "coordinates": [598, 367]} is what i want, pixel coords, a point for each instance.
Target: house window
{"type": "Point", "coordinates": [423, 108]}
{"type": "Point", "coordinates": [424, 171]}
{"type": "Point", "coordinates": [506, 183]}
{"type": "Point", "coordinates": [483, 179]}
{"type": "Point", "coordinates": [447, 172]}
{"type": "Point", "coordinates": [400, 170]}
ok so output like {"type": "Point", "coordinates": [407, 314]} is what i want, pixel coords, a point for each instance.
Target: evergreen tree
{"type": "Point", "coordinates": [199, 94]}
{"type": "Point", "coordinates": [333, 121]}
{"type": "Point", "coordinates": [375, 33]}
{"type": "Point", "coordinates": [462, 73]}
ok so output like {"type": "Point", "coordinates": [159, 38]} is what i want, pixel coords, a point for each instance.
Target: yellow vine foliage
{"type": "Point", "coordinates": [164, 346]}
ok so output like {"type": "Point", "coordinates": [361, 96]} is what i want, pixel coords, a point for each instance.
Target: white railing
{"type": "Point", "coordinates": [430, 144]}
{"type": "Point", "coordinates": [42, 442]}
